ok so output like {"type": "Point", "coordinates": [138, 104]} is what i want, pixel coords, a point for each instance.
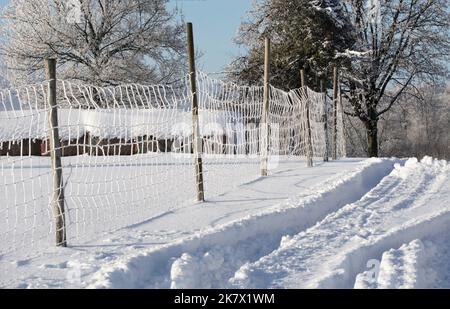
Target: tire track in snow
{"type": "Point", "coordinates": [210, 258]}
{"type": "Point", "coordinates": [404, 268]}
{"type": "Point", "coordinates": [403, 207]}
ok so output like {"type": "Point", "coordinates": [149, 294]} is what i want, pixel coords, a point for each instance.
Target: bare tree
{"type": "Point", "coordinates": [103, 42]}
{"type": "Point", "coordinates": [3, 74]}
{"type": "Point", "coordinates": [399, 45]}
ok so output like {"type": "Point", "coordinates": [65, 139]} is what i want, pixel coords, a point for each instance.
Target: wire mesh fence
{"type": "Point", "coordinates": [127, 152]}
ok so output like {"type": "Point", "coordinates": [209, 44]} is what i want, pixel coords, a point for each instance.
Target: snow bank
{"type": "Point", "coordinates": [209, 258]}
{"type": "Point", "coordinates": [403, 268]}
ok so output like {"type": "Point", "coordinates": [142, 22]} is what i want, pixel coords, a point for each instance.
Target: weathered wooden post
{"type": "Point", "coordinates": [55, 155]}
{"type": "Point", "coordinates": [325, 120]}
{"type": "Point", "coordinates": [265, 117]}
{"type": "Point", "coordinates": [341, 109]}
{"type": "Point", "coordinates": [197, 140]}
{"type": "Point", "coordinates": [309, 148]}
{"type": "Point", "coordinates": [335, 100]}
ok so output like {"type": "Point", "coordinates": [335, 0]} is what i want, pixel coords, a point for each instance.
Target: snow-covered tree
{"type": "Point", "coordinates": [103, 42]}
{"type": "Point", "coordinates": [415, 126]}
{"type": "Point", "coordinates": [305, 35]}
{"type": "Point", "coordinates": [418, 126]}
{"type": "Point", "coordinates": [398, 46]}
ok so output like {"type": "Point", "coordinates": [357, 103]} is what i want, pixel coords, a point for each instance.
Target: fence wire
{"type": "Point", "coordinates": [127, 151]}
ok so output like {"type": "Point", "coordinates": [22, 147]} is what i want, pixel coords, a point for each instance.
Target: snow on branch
{"type": "Point", "coordinates": [354, 54]}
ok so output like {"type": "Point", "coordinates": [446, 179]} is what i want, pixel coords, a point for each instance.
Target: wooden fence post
{"type": "Point", "coordinates": [335, 99]}
{"type": "Point", "coordinates": [197, 140]}
{"type": "Point", "coordinates": [309, 148]}
{"type": "Point", "coordinates": [325, 120]}
{"type": "Point", "coordinates": [265, 117]}
{"type": "Point", "coordinates": [341, 106]}
{"type": "Point", "coordinates": [55, 155]}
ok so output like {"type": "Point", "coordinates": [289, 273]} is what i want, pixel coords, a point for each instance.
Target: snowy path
{"type": "Point", "coordinates": [422, 263]}
{"type": "Point", "coordinates": [412, 202]}
{"type": "Point", "coordinates": [209, 258]}
{"type": "Point", "coordinates": [418, 264]}
{"type": "Point", "coordinates": [329, 226]}
{"type": "Point", "coordinates": [291, 179]}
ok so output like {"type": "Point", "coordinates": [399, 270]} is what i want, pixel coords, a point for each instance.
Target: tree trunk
{"type": "Point", "coordinates": [372, 137]}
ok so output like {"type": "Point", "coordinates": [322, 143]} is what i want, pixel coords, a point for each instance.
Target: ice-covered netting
{"type": "Point", "coordinates": [288, 114]}
{"type": "Point", "coordinates": [231, 133]}
{"type": "Point", "coordinates": [117, 169]}
{"type": "Point", "coordinates": [127, 151]}
{"type": "Point", "coordinates": [25, 181]}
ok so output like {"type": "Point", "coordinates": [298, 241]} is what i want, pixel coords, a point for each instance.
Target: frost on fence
{"type": "Point", "coordinates": [127, 151]}
{"type": "Point", "coordinates": [25, 178]}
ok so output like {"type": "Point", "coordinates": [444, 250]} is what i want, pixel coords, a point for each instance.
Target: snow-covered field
{"type": "Point", "coordinates": [104, 193]}
{"type": "Point", "coordinates": [372, 223]}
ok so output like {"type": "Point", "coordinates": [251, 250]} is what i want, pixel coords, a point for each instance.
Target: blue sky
{"type": "Point", "coordinates": [215, 25]}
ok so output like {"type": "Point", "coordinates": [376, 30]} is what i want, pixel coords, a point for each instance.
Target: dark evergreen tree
{"type": "Point", "coordinates": [304, 34]}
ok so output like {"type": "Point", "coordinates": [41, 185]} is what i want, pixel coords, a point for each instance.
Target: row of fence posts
{"type": "Point", "coordinates": [309, 146]}
{"type": "Point", "coordinates": [57, 199]}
